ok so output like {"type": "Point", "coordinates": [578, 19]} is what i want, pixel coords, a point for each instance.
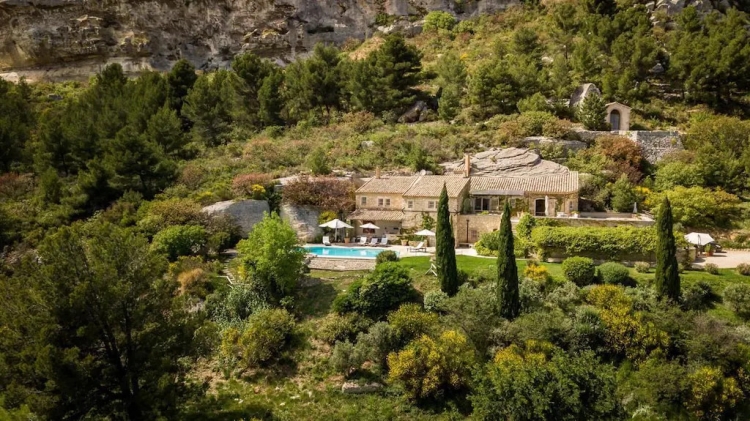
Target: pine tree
{"type": "Point", "coordinates": [592, 113]}
{"type": "Point", "coordinates": [667, 277]}
{"type": "Point", "coordinates": [507, 272]}
{"type": "Point", "coordinates": [445, 251]}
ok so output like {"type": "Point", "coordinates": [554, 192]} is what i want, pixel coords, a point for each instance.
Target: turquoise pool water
{"type": "Point", "coordinates": [344, 252]}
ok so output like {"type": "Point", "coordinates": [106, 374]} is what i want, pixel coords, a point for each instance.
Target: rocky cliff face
{"type": "Point", "coordinates": [59, 39]}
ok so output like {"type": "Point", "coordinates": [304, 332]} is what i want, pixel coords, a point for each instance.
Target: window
{"type": "Point", "coordinates": [431, 204]}
{"type": "Point", "coordinates": [481, 204]}
{"type": "Point", "coordinates": [363, 201]}
{"type": "Point", "coordinates": [384, 202]}
{"type": "Point", "coordinates": [410, 204]}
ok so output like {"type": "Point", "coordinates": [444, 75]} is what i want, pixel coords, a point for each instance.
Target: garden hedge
{"type": "Point", "coordinates": [618, 243]}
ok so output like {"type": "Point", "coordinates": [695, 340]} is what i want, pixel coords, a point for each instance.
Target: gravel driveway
{"type": "Point", "coordinates": [727, 259]}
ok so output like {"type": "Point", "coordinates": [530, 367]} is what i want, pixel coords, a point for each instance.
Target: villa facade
{"type": "Point", "coordinates": [400, 203]}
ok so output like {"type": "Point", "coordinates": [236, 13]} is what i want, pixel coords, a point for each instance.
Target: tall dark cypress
{"type": "Point", "coordinates": [445, 249]}
{"type": "Point", "coordinates": [507, 271]}
{"type": "Point", "coordinates": [667, 278]}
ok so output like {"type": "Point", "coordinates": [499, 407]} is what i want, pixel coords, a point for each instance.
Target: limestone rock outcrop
{"type": "Point", "coordinates": [508, 162]}
{"type": "Point", "coordinates": [61, 39]}
{"type": "Point", "coordinates": [246, 213]}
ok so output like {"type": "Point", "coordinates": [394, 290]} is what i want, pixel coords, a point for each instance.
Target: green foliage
{"type": "Point", "coordinates": [743, 269]}
{"type": "Point", "coordinates": [607, 243]}
{"type": "Point", "coordinates": [699, 207]}
{"type": "Point", "coordinates": [210, 106]}
{"type": "Point", "coordinates": [428, 367]}
{"type": "Point", "coordinates": [525, 225]}
{"type": "Point", "coordinates": [341, 327]}
{"type": "Point", "coordinates": [379, 341]}
{"type": "Point", "coordinates": [711, 268]}
{"type": "Point", "coordinates": [642, 267]}
{"type": "Point", "coordinates": [260, 339]}
{"type": "Point", "coordinates": [386, 256]}
{"type": "Point", "coordinates": [699, 296]}
{"type": "Point", "coordinates": [592, 113]}
{"type": "Point", "coordinates": [346, 357]}
{"type": "Point", "coordinates": [579, 270]}
{"type": "Point", "coordinates": [737, 296]}
{"type": "Point", "coordinates": [613, 273]}
{"type": "Point", "coordinates": [270, 258]}
{"type": "Point", "coordinates": [445, 251]}
{"type": "Point", "coordinates": [437, 19]}
{"type": "Point", "coordinates": [623, 195]}
{"type": "Point", "coordinates": [435, 301]}
{"type": "Point", "coordinates": [667, 278]}
{"type": "Point", "coordinates": [231, 306]}
{"type": "Point", "coordinates": [410, 321]}
{"type": "Point", "coordinates": [318, 162]}
{"type": "Point", "coordinates": [116, 298]}
{"type": "Point", "coordinates": [384, 290]}
{"type": "Point", "coordinates": [507, 271]}
{"type": "Point", "coordinates": [672, 174]}
{"type": "Point", "coordinates": [179, 240]}
{"type": "Point", "coordinates": [545, 383]}
{"type": "Point", "coordinates": [536, 102]}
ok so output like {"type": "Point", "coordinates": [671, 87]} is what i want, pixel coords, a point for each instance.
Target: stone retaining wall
{"type": "Point", "coordinates": [655, 143]}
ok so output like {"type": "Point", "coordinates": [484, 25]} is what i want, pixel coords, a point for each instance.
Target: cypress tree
{"type": "Point", "coordinates": [667, 277]}
{"type": "Point", "coordinates": [507, 271]}
{"type": "Point", "coordinates": [445, 251]}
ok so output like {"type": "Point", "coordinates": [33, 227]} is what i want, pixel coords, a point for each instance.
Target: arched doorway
{"type": "Point", "coordinates": [614, 119]}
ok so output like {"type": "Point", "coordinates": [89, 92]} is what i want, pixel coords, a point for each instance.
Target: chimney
{"type": "Point", "coordinates": [377, 172]}
{"type": "Point", "coordinates": [467, 165]}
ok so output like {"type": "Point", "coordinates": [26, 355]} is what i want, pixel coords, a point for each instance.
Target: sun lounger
{"type": "Point", "coordinates": [384, 241]}
{"type": "Point", "coordinates": [419, 247]}
{"type": "Point", "coordinates": [326, 241]}
{"type": "Point", "coordinates": [363, 241]}
{"type": "Point", "coordinates": [373, 242]}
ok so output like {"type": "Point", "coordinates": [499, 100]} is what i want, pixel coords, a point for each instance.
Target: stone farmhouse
{"type": "Point", "coordinates": [399, 203]}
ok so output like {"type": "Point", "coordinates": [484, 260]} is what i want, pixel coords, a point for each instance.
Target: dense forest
{"type": "Point", "coordinates": [116, 304]}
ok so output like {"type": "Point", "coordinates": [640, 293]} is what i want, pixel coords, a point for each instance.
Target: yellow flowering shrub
{"type": "Point", "coordinates": [626, 332]}
{"type": "Point", "coordinates": [712, 396]}
{"type": "Point", "coordinates": [427, 366]}
{"type": "Point", "coordinates": [536, 273]}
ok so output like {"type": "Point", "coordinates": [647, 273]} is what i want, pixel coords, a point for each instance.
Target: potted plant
{"type": "Point", "coordinates": [404, 240]}
{"type": "Point", "coordinates": [348, 235]}
{"type": "Point", "coordinates": [709, 249]}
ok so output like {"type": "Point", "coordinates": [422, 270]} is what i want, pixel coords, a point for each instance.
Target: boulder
{"type": "Point", "coordinates": [352, 388]}
{"type": "Point", "coordinates": [246, 213]}
{"type": "Point", "coordinates": [303, 219]}
{"type": "Point", "coordinates": [508, 162]}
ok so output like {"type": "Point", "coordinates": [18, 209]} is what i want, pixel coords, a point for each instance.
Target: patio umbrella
{"type": "Point", "coordinates": [425, 233]}
{"type": "Point", "coordinates": [335, 224]}
{"type": "Point", "coordinates": [699, 239]}
{"type": "Point", "coordinates": [370, 226]}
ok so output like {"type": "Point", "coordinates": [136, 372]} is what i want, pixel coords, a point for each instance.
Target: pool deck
{"type": "Point", "coordinates": [351, 264]}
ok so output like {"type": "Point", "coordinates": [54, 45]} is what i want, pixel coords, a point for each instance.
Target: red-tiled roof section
{"type": "Point", "coordinates": [388, 185]}
{"type": "Point", "coordinates": [432, 186]}
{"type": "Point", "coordinates": [557, 183]}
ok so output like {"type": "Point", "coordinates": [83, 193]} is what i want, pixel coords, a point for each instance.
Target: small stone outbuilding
{"type": "Point", "coordinates": [618, 116]}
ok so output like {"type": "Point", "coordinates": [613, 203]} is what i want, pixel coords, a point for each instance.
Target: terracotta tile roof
{"type": "Point", "coordinates": [376, 215]}
{"type": "Point", "coordinates": [432, 186]}
{"type": "Point", "coordinates": [393, 185]}
{"type": "Point", "coordinates": [557, 183]}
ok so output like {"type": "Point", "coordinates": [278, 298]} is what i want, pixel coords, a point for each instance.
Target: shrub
{"type": "Point", "coordinates": [619, 243]}
{"type": "Point", "coordinates": [565, 296]}
{"type": "Point", "coordinates": [429, 366]}
{"type": "Point", "coordinates": [235, 304]}
{"type": "Point", "coordinates": [341, 327]}
{"type": "Point", "coordinates": [179, 240]}
{"type": "Point", "coordinates": [379, 341]}
{"type": "Point", "coordinates": [536, 273]}
{"type": "Point", "coordinates": [699, 296]}
{"type": "Point", "coordinates": [743, 269]}
{"type": "Point", "coordinates": [193, 282]}
{"type": "Point", "coordinates": [488, 243]}
{"type": "Point", "coordinates": [262, 338]}
{"type": "Point", "coordinates": [438, 20]}
{"type": "Point", "coordinates": [614, 273]}
{"type": "Point", "coordinates": [245, 185]}
{"type": "Point", "coordinates": [579, 270]}
{"type": "Point", "coordinates": [157, 215]}
{"type": "Point", "coordinates": [642, 267]}
{"type": "Point", "coordinates": [346, 357]}
{"type": "Point", "coordinates": [386, 256]}
{"type": "Point", "coordinates": [386, 288]}
{"type": "Point", "coordinates": [325, 193]}
{"type": "Point", "coordinates": [530, 295]}
{"type": "Point", "coordinates": [435, 301]}
{"type": "Point", "coordinates": [737, 296]}
{"type": "Point", "coordinates": [711, 268]}
{"type": "Point", "coordinates": [410, 321]}
{"type": "Point", "coordinates": [525, 225]}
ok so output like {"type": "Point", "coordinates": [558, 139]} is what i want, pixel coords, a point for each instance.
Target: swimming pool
{"type": "Point", "coordinates": [344, 252]}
